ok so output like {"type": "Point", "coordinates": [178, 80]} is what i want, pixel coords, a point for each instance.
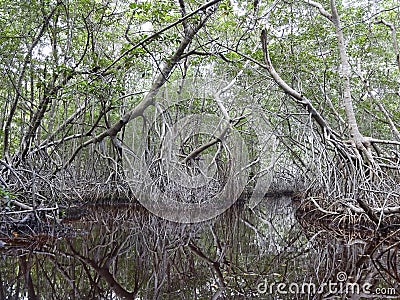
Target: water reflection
{"type": "Point", "coordinates": [126, 253]}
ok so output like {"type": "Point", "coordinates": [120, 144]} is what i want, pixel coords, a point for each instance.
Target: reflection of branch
{"type": "Point", "coordinates": [65, 275]}
{"type": "Point", "coordinates": [26, 272]}
{"type": "Point", "coordinates": [214, 264]}
{"type": "Point", "coordinates": [105, 274]}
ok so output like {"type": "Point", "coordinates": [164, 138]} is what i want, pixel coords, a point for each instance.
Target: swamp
{"type": "Point", "coordinates": [184, 149]}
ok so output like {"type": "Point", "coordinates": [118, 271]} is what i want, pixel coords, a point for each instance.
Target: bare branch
{"type": "Point", "coordinates": [393, 126]}
{"type": "Point", "coordinates": [27, 59]}
{"type": "Point", "coordinates": [299, 98]}
{"type": "Point", "coordinates": [394, 38]}
{"type": "Point", "coordinates": [321, 9]}
{"type": "Point", "coordinates": [161, 78]}
{"type": "Point", "coordinates": [144, 41]}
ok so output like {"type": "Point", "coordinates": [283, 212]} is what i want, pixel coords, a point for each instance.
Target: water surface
{"type": "Point", "coordinates": [267, 253]}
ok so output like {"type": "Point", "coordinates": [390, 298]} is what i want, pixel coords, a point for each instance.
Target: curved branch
{"type": "Point", "coordinates": [320, 8]}
{"type": "Point", "coordinates": [299, 98]}
{"type": "Point", "coordinates": [27, 60]}
{"type": "Point", "coordinates": [161, 78]}
{"type": "Point", "coordinates": [394, 39]}
{"type": "Point", "coordinates": [144, 41]}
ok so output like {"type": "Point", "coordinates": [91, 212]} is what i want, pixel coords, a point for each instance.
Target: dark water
{"type": "Point", "coordinates": [126, 253]}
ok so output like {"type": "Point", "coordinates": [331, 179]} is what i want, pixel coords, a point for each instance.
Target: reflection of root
{"type": "Point", "coordinates": [31, 231]}
{"type": "Point", "coordinates": [358, 245]}
{"type": "Point", "coordinates": [342, 223]}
